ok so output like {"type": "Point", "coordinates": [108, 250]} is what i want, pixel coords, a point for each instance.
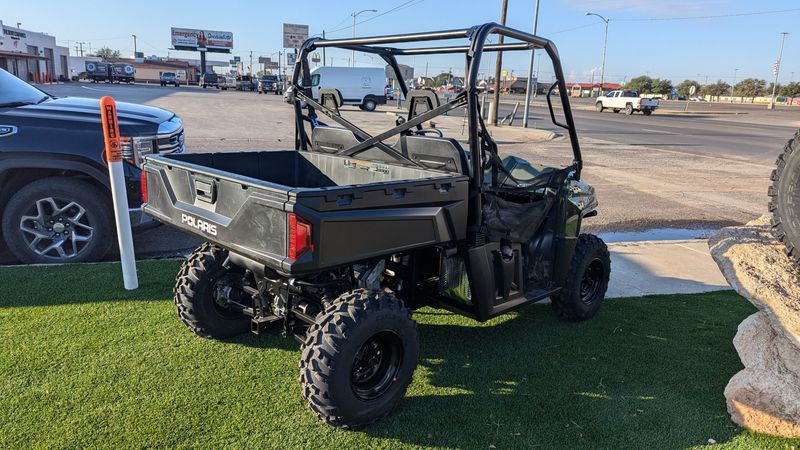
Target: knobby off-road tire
{"type": "Point", "coordinates": [785, 197]}
{"type": "Point", "coordinates": [586, 282]}
{"type": "Point", "coordinates": [195, 295]}
{"type": "Point", "coordinates": [358, 359]}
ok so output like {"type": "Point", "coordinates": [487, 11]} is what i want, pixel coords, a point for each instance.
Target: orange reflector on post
{"type": "Point", "coordinates": [108, 111]}
{"type": "Point", "coordinates": [108, 118]}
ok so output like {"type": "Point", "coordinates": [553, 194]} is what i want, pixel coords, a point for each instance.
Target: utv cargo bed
{"type": "Point", "coordinates": [254, 203]}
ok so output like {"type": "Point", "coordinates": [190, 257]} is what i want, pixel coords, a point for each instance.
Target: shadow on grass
{"type": "Point", "coordinates": [645, 373]}
{"type": "Point", "coordinates": [25, 286]}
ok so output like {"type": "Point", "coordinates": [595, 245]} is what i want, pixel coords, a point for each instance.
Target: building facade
{"type": "Point", "coordinates": [32, 56]}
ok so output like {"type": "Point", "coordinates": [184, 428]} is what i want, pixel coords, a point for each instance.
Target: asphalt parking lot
{"type": "Point", "coordinates": [700, 171]}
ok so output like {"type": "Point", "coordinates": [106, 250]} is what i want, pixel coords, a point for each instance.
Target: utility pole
{"type": "Point", "coordinates": [734, 83]}
{"type": "Point", "coordinates": [355, 14]}
{"type": "Point", "coordinates": [134, 46]}
{"type": "Point", "coordinates": [498, 67]}
{"type": "Point", "coordinates": [81, 48]}
{"type": "Point", "coordinates": [251, 63]}
{"type": "Point", "coordinates": [323, 50]}
{"type": "Point", "coordinates": [605, 44]}
{"type": "Point", "coordinates": [530, 69]}
{"type": "Point", "coordinates": [777, 71]}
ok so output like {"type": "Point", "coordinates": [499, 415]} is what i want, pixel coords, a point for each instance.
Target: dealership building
{"type": "Point", "coordinates": [32, 56]}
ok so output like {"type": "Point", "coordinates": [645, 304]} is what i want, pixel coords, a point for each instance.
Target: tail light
{"type": "Point", "coordinates": [143, 186]}
{"type": "Point", "coordinates": [300, 236]}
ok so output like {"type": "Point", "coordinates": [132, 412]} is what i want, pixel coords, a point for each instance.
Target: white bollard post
{"type": "Point", "coordinates": [108, 117]}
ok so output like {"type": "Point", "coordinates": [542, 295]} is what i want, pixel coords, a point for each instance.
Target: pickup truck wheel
{"type": "Point", "coordinates": [199, 298]}
{"type": "Point", "coordinates": [629, 109]}
{"type": "Point", "coordinates": [784, 194]}
{"type": "Point", "coordinates": [58, 220]}
{"type": "Point", "coordinates": [647, 112]}
{"type": "Point", "coordinates": [599, 106]}
{"type": "Point", "coordinates": [586, 282]}
{"type": "Point", "coordinates": [358, 358]}
{"type": "Point", "coordinates": [616, 111]}
{"type": "Point", "coordinates": [369, 105]}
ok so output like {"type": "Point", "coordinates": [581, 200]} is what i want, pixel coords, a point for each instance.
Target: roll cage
{"type": "Point", "coordinates": [480, 142]}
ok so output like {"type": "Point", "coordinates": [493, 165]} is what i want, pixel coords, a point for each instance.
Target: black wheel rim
{"type": "Point", "coordinates": [376, 365]}
{"type": "Point", "coordinates": [592, 280]}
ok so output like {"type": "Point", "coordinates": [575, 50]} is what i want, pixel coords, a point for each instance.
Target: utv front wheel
{"type": "Point", "coordinates": [587, 280]}
{"type": "Point", "coordinates": [784, 194]}
{"type": "Point", "coordinates": [199, 296]}
{"type": "Point", "coordinates": [358, 359]}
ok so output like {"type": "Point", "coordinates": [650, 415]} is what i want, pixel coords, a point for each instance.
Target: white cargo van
{"type": "Point", "coordinates": [362, 86]}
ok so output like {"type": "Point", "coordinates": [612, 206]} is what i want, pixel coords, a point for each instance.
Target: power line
{"type": "Point", "coordinates": [406, 4]}
{"type": "Point", "coordinates": [718, 16]}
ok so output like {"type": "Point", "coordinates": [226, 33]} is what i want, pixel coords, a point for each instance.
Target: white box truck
{"type": "Point", "coordinates": [362, 86]}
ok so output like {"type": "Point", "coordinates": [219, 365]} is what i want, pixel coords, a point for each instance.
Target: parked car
{"type": "Point", "coordinates": [336, 241]}
{"type": "Point", "coordinates": [270, 83]}
{"type": "Point", "coordinates": [55, 198]}
{"type": "Point", "coordinates": [246, 83]}
{"type": "Point", "coordinates": [626, 100]}
{"type": "Point", "coordinates": [226, 83]}
{"type": "Point", "coordinates": [209, 80]}
{"type": "Point", "coordinates": [169, 78]}
{"type": "Point", "coordinates": [697, 99]}
{"type": "Point", "coordinates": [362, 86]}
{"type": "Point", "coordinates": [123, 73]}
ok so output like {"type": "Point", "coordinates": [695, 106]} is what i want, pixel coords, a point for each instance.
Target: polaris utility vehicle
{"type": "Point", "coordinates": [337, 241]}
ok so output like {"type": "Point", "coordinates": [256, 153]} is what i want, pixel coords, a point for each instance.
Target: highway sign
{"type": "Point", "coordinates": [291, 58]}
{"type": "Point", "coordinates": [264, 60]}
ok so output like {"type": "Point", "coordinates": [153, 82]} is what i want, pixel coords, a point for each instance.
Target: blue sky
{"type": "Point", "coordinates": [674, 49]}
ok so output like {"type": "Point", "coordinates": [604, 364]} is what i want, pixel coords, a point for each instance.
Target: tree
{"type": "Point", "coordinates": [641, 84]}
{"type": "Point", "coordinates": [715, 89]}
{"type": "Point", "coordinates": [106, 54]}
{"type": "Point", "coordinates": [685, 85]}
{"type": "Point", "coordinates": [750, 87]}
{"type": "Point", "coordinates": [791, 90]}
{"type": "Point", "coordinates": [442, 79]}
{"type": "Point", "coordinates": [660, 86]}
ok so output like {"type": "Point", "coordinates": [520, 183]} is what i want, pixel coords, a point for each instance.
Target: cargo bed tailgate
{"type": "Point", "coordinates": [251, 220]}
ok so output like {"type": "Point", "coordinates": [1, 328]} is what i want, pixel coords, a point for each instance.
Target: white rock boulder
{"type": "Point", "coordinates": [765, 395]}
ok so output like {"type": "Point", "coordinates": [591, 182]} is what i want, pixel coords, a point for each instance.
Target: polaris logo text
{"type": "Point", "coordinates": [199, 224]}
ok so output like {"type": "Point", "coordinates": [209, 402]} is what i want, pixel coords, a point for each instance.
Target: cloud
{"type": "Point", "coordinates": [652, 8]}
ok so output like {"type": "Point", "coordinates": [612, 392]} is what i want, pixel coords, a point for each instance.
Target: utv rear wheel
{"type": "Point", "coordinates": [785, 197]}
{"type": "Point", "coordinates": [199, 299]}
{"type": "Point", "coordinates": [358, 359]}
{"type": "Point", "coordinates": [587, 280]}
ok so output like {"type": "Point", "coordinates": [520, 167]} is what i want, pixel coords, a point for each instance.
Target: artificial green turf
{"type": "Point", "coordinates": [85, 364]}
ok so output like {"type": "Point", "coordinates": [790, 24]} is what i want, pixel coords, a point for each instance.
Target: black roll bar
{"type": "Point", "coordinates": [477, 37]}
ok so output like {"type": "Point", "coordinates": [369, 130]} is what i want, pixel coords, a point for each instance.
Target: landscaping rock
{"type": "Point", "coordinates": [765, 395]}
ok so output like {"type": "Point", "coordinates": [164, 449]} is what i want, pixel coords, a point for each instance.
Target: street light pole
{"type": "Point", "coordinates": [605, 44]}
{"type": "Point", "coordinates": [355, 14]}
{"type": "Point", "coordinates": [530, 69]}
{"type": "Point", "coordinates": [777, 71]}
{"type": "Point", "coordinates": [134, 46]}
{"type": "Point", "coordinates": [734, 83]}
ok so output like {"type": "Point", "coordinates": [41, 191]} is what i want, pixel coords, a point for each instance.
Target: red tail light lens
{"type": "Point", "coordinates": [143, 186]}
{"type": "Point", "coordinates": [300, 239]}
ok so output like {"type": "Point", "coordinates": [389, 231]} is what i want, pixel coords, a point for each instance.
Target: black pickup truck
{"type": "Point", "coordinates": [336, 241]}
{"type": "Point", "coordinates": [55, 199]}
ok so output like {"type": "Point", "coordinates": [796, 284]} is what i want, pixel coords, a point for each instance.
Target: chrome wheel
{"type": "Point", "coordinates": [56, 228]}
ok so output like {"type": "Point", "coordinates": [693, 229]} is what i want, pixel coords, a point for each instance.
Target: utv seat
{"type": "Point", "coordinates": [331, 99]}
{"type": "Point", "coordinates": [421, 101]}
{"type": "Point", "coordinates": [436, 153]}
{"type": "Point", "coordinates": [334, 140]}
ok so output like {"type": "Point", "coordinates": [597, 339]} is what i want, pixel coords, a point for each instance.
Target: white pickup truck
{"type": "Point", "coordinates": [629, 101]}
